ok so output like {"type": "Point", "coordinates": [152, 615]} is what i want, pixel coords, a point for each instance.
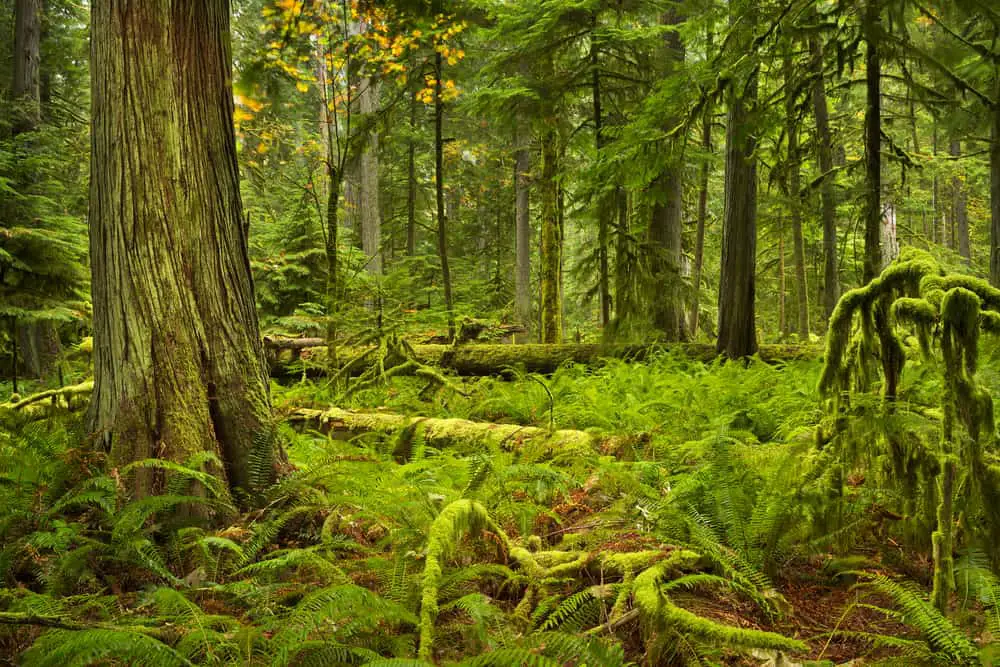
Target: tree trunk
{"type": "Point", "coordinates": [498, 359]}
{"type": "Point", "coordinates": [795, 205]}
{"type": "Point", "coordinates": [370, 213]}
{"type": "Point", "coordinates": [604, 211]}
{"type": "Point", "coordinates": [27, 64]}
{"type": "Point", "coordinates": [334, 183]}
{"type": "Point", "coordinates": [666, 222]}
{"type": "Point", "coordinates": [411, 183]}
{"type": "Point", "coordinates": [873, 142]}
{"type": "Point", "coordinates": [522, 231]}
{"type": "Point", "coordinates": [961, 213]}
{"type": "Point", "coordinates": [737, 286]}
{"type": "Point", "coordinates": [699, 242]}
{"type": "Point", "coordinates": [178, 363]}
{"type": "Point", "coordinates": [995, 182]}
{"type": "Point", "coordinates": [442, 222]}
{"type": "Point", "coordinates": [828, 201]}
{"type": "Point", "coordinates": [40, 348]}
{"type": "Point", "coordinates": [550, 306]}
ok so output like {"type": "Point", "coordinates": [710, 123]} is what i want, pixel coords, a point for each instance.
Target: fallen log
{"type": "Point", "coordinates": [463, 435]}
{"type": "Point", "coordinates": [480, 360]}
{"type": "Point", "coordinates": [65, 393]}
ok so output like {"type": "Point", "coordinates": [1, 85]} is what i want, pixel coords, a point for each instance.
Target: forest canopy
{"type": "Point", "coordinates": [433, 332]}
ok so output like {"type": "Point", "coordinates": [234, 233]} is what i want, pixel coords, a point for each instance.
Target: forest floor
{"type": "Point", "coordinates": [399, 547]}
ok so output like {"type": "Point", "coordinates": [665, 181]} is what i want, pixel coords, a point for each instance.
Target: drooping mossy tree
{"type": "Point", "coordinates": [951, 311]}
{"type": "Point", "coordinates": [178, 364]}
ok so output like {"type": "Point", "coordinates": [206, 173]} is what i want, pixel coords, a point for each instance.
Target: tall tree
{"type": "Point", "coordinates": [27, 63]}
{"type": "Point", "coordinates": [737, 287]}
{"type": "Point", "coordinates": [178, 364]}
{"type": "Point", "coordinates": [666, 224]}
{"type": "Point", "coordinates": [871, 28]}
{"type": "Point", "coordinates": [793, 187]}
{"type": "Point", "coordinates": [824, 156]}
{"type": "Point", "coordinates": [550, 262]}
{"type": "Point", "coordinates": [522, 223]}
{"type": "Point", "coordinates": [959, 210]}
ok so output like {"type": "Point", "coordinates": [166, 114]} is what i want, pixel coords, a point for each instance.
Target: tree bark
{"type": "Point", "coordinates": [27, 64]}
{"type": "Point", "coordinates": [828, 201]}
{"type": "Point", "coordinates": [873, 142]}
{"type": "Point", "coordinates": [522, 231]}
{"type": "Point", "coordinates": [604, 211]}
{"type": "Point", "coordinates": [699, 243]}
{"type": "Point", "coordinates": [442, 222]}
{"type": "Point", "coordinates": [795, 204]}
{"type": "Point", "coordinates": [666, 222]}
{"type": "Point", "coordinates": [737, 287]}
{"type": "Point", "coordinates": [961, 214]}
{"type": "Point", "coordinates": [551, 251]}
{"type": "Point", "coordinates": [178, 363]}
{"type": "Point", "coordinates": [995, 182]}
{"type": "Point", "coordinates": [370, 213]}
{"type": "Point", "coordinates": [411, 182]}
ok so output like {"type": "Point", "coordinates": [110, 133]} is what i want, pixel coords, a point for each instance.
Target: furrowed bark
{"type": "Point", "coordinates": [178, 362]}
{"type": "Point", "coordinates": [737, 287]}
{"type": "Point", "coordinates": [551, 252]}
{"type": "Point", "coordinates": [828, 202]}
{"type": "Point", "coordinates": [522, 223]}
{"type": "Point", "coordinates": [873, 142]}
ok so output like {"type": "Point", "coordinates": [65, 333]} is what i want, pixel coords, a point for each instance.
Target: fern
{"type": "Point", "coordinates": [63, 648]}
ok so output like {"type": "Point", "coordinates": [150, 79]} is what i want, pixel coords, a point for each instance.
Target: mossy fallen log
{"type": "Point", "coordinates": [464, 435]}
{"type": "Point", "coordinates": [479, 360]}
{"type": "Point", "coordinates": [39, 404]}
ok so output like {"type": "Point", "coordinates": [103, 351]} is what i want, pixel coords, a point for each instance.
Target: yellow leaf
{"type": "Point", "coordinates": [302, 87]}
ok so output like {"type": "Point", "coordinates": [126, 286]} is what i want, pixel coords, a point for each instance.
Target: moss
{"type": "Point", "coordinates": [658, 611]}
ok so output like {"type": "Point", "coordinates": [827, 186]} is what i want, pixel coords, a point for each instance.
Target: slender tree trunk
{"type": "Point", "coordinates": [604, 211]}
{"type": "Point", "coordinates": [782, 287]}
{"type": "Point", "coordinates": [178, 363]}
{"type": "Point", "coordinates": [873, 142]}
{"type": "Point", "coordinates": [666, 223]}
{"type": "Point", "coordinates": [550, 262]}
{"type": "Point", "coordinates": [795, 205]}
{"type": "Point", "coordinates": [961, 214]}
{"type": "Point", "coordinates": [13, 354]}
{"type": "Point", "coordinates": [522, 230]}
{"type": "Point", "coordinates": [699, 243]}
{"type": "Point", "coordinates": [27, 64]}
{"type": "Point", "coordinates": [623, 260]}
{"type": "Point", "coordinates": [737, 287]}
{"type": "Point", "coordinates": [370, 213]}
{"type": "Point", "coordinates": [442, 222]}
{"type": "Point", "coordinates": [334, 183]}
{"type": "Point", "coordinates": [411, 183]}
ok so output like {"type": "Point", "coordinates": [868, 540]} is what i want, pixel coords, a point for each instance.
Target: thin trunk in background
{"type": "Point", "coordinates": [411, 182]}
{"type": "Point", "coordinates": [550, 261]}
{"type": "Point", "coordinates": [522, 230]}
{"type": "Point", "coordinates": [699, 242]}
{"type": "Point", "coordinates": [442, 223]}
{"type": "Point", "coordinates": [795, 203]}
{"type": "Point", "coordinates": [960, 212]}
{"type": "Point", "coordinates": [604, 210]}
{"type": "Point", "coordinates": [872, 25]}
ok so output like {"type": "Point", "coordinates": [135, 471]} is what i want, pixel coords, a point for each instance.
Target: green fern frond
{"type": "Point", "coordinates": [64, 648]}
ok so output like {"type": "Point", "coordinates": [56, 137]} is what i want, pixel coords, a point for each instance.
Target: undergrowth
{"type": "Point", "coordinates": [694, 546]}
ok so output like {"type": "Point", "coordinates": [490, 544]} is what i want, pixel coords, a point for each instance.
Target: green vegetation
{"type": "Point", "coordinates": [492, 332]}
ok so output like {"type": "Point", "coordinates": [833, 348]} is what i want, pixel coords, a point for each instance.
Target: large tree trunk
{"type": "Point", "coordinates": [795, 204]}
{"type": "Point", "coordinates": [828, 201]}
{"type": "Point", "coordinates": [442, 221]}
{"type": "Point", "coordinates": [550, 268]}
{"type": "Point", "coordinates": [522, 231]}
{"type": "Point", "coordinates": [873, 142]}
{"type": "Point", "coordinates": [27, 63]}
{"type": "Point", "coordinates": [737, 287]}
{"type": "Point", "coordinates": [666, 222]}
{"type": "Point", "coordinates": [699, 242]}
{"type": "Point", "coordinates": [995, 182]}
{"type": "Point", "coordinates": [178, 364]}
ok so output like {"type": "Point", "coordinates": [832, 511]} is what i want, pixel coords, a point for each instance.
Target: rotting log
{"type": "Point", "coordinates": [65, 393]}
{"type": "Point", "coordinates": [479, 360]}
{"type": "Point", "coordinates": [465, 436]}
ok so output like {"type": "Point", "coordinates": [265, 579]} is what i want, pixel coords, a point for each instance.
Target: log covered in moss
{"type": "Point", "coordinates": [480, 360]}
{"type": "Point", "coordinates": [462, 434]}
